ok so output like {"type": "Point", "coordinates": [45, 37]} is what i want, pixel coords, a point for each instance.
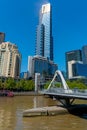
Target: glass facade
{"type": "Point", "coordinates": [41, 65]}
{"type": "Point", "coordinates": [40, 40]}
{"type": "Point", "coordinates": [44, 39]}
{"type": "Point", "coordinates": [75, 55]}
{"type": "Point", "coordinates": [44, 66]}
{"type": "Point", "coordinates": [79, 69]}
{"type": "Point", "coordinates": [84, 54]}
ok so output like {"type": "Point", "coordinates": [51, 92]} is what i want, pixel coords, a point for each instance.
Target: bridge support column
{"type": "Point", "coordinates": [67, 102]}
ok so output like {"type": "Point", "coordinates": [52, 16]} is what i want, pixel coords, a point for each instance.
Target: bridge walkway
{"type": "Point", "coordinates": [68, 95]}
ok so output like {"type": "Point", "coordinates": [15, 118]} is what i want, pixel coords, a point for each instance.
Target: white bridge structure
{"type": "Point", "coordinates": [64, 94]}
{"type": "Point", "coordinates": [58, 72]}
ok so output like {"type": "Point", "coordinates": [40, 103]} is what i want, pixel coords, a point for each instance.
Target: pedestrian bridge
{"type": "Point", "coordinates": [64, 94]}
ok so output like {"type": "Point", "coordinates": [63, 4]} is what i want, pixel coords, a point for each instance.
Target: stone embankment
{"type": "Point", "coordinates": [77, 109]}
{"type": "Point", "coordinates": [45, 111]}
{"type": "Point", "coordinates": [32, 93]}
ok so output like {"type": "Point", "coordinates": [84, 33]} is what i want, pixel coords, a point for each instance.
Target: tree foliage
{"type": "Point", "coordinates": [20, 85]}
{"type": "Point", "coordinates": [9, 84]}
{"type": "Point", "coordinates": [47, 84]}
{"type": "Point", "coordinates": [76, 84]}
{"type": "Point", "coordinates": [72, 84]}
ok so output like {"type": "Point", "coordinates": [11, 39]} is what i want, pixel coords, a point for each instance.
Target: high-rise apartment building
{"type": "Point", "coordinates": [84, 54]}
{"type": "Point", "coordinates": [71, 57]}
{"type": "Point", "coordinates": [2, 37]}
{"type": "Point", "coordinates": [44, 39]}
{"type": "Point", "coordinates": [10, 60]}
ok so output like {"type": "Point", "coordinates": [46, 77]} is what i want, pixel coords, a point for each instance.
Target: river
{"type": "Point", "coordinates": [11, 115]}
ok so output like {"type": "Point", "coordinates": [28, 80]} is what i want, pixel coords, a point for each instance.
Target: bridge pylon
{"type": "Point", "coordinates": [65, 101]}
{"type": "Point", "coordinates": [64, 84]}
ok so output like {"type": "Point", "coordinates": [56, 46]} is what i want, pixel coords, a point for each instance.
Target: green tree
{"type": "Point", "coordinates": [76, 84]}
{"type": "Point", "coordinates": [46, 84]}
{"type": "Point", "coordinates": [10, 84]}
{"type": "Point", "coordinates": [20, 85]}
{"type": "Point", "coordinates": [29, 85]}
{"type": "Point", "coordinates": [25, 85]}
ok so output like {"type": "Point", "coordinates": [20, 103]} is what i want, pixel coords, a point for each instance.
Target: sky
{"type": "Point", "coordinates": [19, 19]}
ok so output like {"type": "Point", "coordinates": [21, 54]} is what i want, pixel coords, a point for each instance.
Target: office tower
{"type": "Point", "coordinates": [39, 64]}
{"type": "Point", "coordinates": [2, 37]}
{"type": "Point", "coordinates": [44, 39]}
{"type": "Point", "coordinates": [84, 54]}
{"type": "Point", "coordinates": [79, 69]}
{"type": "Point", "coordinates": [71, 57]}
{"type": "Point", "coordinates": [10, 60]}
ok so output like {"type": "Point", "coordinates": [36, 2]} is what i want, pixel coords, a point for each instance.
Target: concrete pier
{"type": "Point", "coordinates": [45, 111]}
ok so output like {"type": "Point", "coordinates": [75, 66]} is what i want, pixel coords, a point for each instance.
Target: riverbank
{"type": "Point", "coordinates": [30, 93]}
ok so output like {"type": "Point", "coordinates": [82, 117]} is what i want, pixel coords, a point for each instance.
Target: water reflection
{"type": "Point", "coordinates": [38, 101]}
{"type": "Point", "coordinates": [19, 120]}
{"type": "Point", "coordinates": [5, 119]}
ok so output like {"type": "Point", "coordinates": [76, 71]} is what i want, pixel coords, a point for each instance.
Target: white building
{"type": "Point", "coordinates": [10, 60]}
{"type": "Point", "coordinates": [72, 70]}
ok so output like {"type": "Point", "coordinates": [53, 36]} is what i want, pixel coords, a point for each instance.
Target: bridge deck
{"type": "Point", "coordinates": [66, 94]}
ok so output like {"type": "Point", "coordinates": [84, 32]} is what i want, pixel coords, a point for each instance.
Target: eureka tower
{"type": "Point", "coordinates": [44, 39]}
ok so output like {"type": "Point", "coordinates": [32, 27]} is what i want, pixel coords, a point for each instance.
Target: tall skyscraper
{"type": "Point", "coordinates": [71, 57]}
{"type": "Point", "coordinates": [2, 37]}
{"type": "Point", "coordinates": [84, 54]}
{"type": "Point", "coordinates": [44, 39]}
{"type": "Point", "coordinates": [10, 60]}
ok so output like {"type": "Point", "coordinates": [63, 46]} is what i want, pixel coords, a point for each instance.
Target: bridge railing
{"type": "Point", "coordinates": [56, 90]}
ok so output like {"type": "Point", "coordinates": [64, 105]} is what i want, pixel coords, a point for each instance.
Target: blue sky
{"type": "Point", "coordinates": [19, 18]}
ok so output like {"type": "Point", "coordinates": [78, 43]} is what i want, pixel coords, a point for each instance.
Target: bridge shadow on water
{"type": "Point", "coordinates": [79, 110]}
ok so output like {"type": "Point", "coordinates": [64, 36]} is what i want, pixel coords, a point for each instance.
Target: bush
{"type": "Point", "coordinates": [76, 84]}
